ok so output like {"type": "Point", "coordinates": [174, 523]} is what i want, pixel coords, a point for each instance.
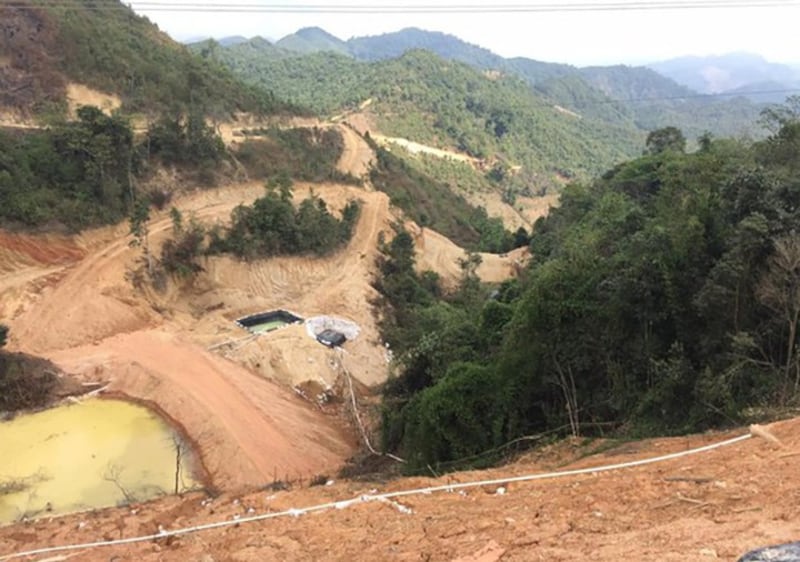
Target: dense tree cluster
{"type": "Point", "coordinates": [662, 297]}
{"type": "Point", "coordinates": [273, 226]}
{"type": "Point", "coordinates": [84, 173]}
{"type": "Point", "coordinates": [77, 173]}
{"type": "Point", "coordinates": [188, 141]}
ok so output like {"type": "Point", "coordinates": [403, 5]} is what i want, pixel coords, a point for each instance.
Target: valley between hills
{"type": "Point", "coordinates": [569, 327]}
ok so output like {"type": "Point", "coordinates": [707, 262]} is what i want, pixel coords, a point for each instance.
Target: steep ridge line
{"type": "Point", "coordinates": [379, 497]}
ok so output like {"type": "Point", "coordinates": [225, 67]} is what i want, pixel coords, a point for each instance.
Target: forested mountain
{"type": "Point", "coordinates": [534, 71]}
{"type": "Point", "coordinates": [395, 44]}
{"type": "Point", "coordinates": [311, 40]}
{"type": "Point", "coordinates": [292, 75]}
{"type": "Point", "coordinates": [232, 40]}
{"type": "Point", "coordinates": [769, 92]}
{"type": "Point", "coordinates": [663, 297]}
{"type": "Point", "coordinates": [650, 99]}
{"type": "Point", "coordinates": [633, 82]}
{"type": "Point", "coordinates": [498, 119]}
{"type": "Point", "coordinates": [621, 96]}
{"type": "Point", "coordinates": [105, 45]}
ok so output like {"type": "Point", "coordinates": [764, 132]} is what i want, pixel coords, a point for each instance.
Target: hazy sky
{"type": "Point", "coordinates": [597, 36]}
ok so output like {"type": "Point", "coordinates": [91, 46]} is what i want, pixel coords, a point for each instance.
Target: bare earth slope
{"type": "Point", "coordinates": [442, 255]}
{"type": "Point", "coordinates": [713, 505]}
{"type": "Point", "coordinates": [243, 401]}
{"type": "Point", "coordinates": [68, 299]}
{"type": "Point", "coordinates": [249, 431]}
{"type": "Point", "coordinates": [88, 319]}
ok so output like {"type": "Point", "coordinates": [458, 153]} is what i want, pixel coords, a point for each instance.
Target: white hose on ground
{"type": "Point", "coordinates": [378, 497]}
{"type": "Point", "coordinates": [232, 341]}
{"type": "Point", "coordinates": [339, 353]}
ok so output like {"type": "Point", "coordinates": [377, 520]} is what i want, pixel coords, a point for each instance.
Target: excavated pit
{"type": "Point", "coordinates": [268, 321]}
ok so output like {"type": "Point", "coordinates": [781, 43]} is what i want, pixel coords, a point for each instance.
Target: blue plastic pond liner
{"type": "Point", "coordinates": [782, 553]}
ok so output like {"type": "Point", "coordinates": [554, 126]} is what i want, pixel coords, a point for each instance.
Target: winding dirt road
{"type": "Point", "coordinates": [68, 299]}
{"type": "Point", "coordinates": [357, 156]}
{"type": "Point", "coordinates": [90, 321]}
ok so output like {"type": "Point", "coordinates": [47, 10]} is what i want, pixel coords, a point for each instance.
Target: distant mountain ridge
{"type": "Point", "coordinates": [730, 74]}
{"type": "Point", "coordinates": [232, 40]}
{"type": "Point", "coordinates": [312, 40]}
{"type": "Point", "coordinates": [733, 73]}
{"type": "Point", "coordinates": [620, 94]}
{"type": "Point", "coordinates": [396, 44]}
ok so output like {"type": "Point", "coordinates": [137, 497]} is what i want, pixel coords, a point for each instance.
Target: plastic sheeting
{"type": "Point", "coordinates": [782, 553]}
{"type": "Point", "coordinates": [318, 324]}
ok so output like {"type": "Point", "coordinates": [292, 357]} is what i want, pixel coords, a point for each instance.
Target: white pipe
{"type": "Point", "coordinates": [379, 497]}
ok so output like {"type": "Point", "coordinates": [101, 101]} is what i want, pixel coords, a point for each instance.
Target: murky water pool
{"type": "Point", "coordinates": [96, 453]}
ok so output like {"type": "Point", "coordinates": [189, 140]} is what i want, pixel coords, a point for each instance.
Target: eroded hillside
{"type": "Point", "coordinates": [179, 348]}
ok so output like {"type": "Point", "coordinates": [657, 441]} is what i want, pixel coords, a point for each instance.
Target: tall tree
{"type": "Point", "coordinates": [779, 290]}
{"type": "Point", "coordinates": [140, 230]}
{"type": "Point", "coordinates": [666, 139]}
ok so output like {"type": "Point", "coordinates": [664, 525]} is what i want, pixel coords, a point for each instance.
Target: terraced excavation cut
{"type": "Point", "coordinates": [234, 397]}
{"type": "Point", "coordinates": [390, 298]}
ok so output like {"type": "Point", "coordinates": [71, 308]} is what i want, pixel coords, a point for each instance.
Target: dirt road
{"type": "Point", "coordinates": [68, 299]}
{"type": "Point", "coordinates": [419, 148]}
{"type": "Point", "coordinates": [357, 156]}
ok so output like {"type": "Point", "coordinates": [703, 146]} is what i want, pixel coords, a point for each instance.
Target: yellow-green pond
{"type": "Point", "coordinates": [95, 453]}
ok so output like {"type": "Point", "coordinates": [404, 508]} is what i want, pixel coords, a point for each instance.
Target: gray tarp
{"type": "Point", "coordinates": [783, 553]}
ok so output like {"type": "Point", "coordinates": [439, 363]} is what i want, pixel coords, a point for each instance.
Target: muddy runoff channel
{"type": "Point", "coordinates": [89, 454]}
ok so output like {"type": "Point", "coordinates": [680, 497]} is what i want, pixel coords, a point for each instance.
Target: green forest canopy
{"type": "Point", "coordinates": [111, 48]}
{"type": "Point", "coordinates": [430, 100]}
{"type": "Point", "coordinates": [663, 297]}
{"type": "Point", "coordinates": [85, 173]}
